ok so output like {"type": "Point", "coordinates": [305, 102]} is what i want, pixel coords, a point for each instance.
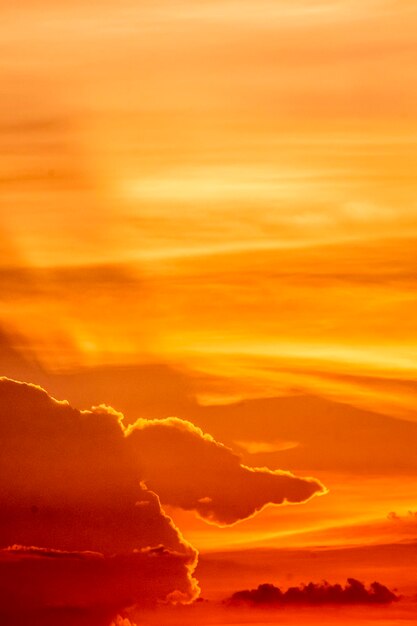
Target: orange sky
{"type": "Point", "coordinates": [209, 211]}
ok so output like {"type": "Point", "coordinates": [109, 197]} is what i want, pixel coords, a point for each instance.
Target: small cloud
{"type": "Point", "coordinates": [205, 500]}
{"type": "Point", "coordinates": [313, 594]}
{"type": "Point", "coordinates": [260, 447]}
{"type": "Point", "coordinates": [393, 516]}
{"type": "Point", "coordinates": [410, 516]}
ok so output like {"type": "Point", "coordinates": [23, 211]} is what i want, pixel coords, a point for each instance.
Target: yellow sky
{"type": "Point", "coordinates": [232, 186]}
{"type": "Point", "coordinates": [251, 168]}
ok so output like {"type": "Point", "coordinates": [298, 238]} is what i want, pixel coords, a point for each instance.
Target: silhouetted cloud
{"type": "Point", "coordinates": [195, 472]}
{"type": "Point", "coordinates": [82, 527]}
{"type": "Point", "coordinates": [354, 592]}
{"type": "Point", "coordinates": [80, 539]}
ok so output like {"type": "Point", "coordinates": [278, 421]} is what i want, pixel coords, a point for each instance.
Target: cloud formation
{"type": "Point", "coordinates": [82, 530]}
{"type": "Point", "coordinates": [88, 540]}
{"type": "Point", "coordinates": [354, 592]}
{"type": "Point", "coordinates": [195, 472]}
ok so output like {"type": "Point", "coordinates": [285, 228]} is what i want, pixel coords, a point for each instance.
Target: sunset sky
{"type": "Point", "coordinates": [208, 218]}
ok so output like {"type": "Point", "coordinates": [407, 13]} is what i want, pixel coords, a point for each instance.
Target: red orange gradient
{"type": "Point", "coordinates": [208, 222]}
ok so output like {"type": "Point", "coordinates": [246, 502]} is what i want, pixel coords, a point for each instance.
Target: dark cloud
{"type": "Point", "coordinates": [99, 542]}
{"type": "Point", "coordinates": [82, 530]}
{"type": "Point", "coordinates": [195, 472]}
{"type": "Point", "coordinates": [354, 592]}
{"type": "Point", "coordinates": [97, 467]}
{"type": "Point", "coordinates": [53, 587]}
{"type": "Point", "coordinates": [68, 482]}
